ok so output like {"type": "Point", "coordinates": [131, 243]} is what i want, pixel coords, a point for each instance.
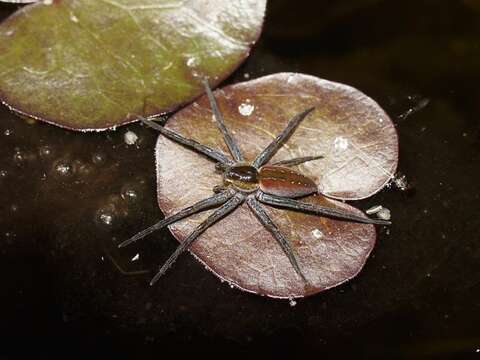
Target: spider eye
{"type": "Point", "coordinates": [219, 167]}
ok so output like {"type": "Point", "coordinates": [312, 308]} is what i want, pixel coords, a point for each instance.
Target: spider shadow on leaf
{"type": "Point", "coordinates": [255, 183]}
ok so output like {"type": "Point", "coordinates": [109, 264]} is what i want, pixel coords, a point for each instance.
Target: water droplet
{"type": "Point", "coordinates": [340, 143]}
{"type": "Point", "coordinates": [74, 18]}
{"type": "Point", "coordinates": [106, 215]}
{"type": "Point", "coordinates": [246, 109]}
{"type": "Point", "coordinates": [45, 152]}
{"type": "Point", "coordinates": [19, 157]}
{"type": "Point", "coordinates": [292, 302]}
{"type": "Point", "coordinates": [99, 158]}
{"type": "Point", "coordinates": [128, 193]}
{"type": "Point", "coordinates": [63, 168]}
{"type": "Point", "coordinates": [130, 138]}
{"type": "Point", "coordinates": [3, 173]}
{"type": "Point", "coordinates": [317, 233]}
{"type": "Point", "coordinates": [401, 182]}
{"type": "Point", "coordinates": [193, 62]}
{"type": "Point", "coordinates": [14, 208]}
{"type": "Point", "coordinates": [246, 76]}
{"type": "Point", "coordinates": [8, 132]}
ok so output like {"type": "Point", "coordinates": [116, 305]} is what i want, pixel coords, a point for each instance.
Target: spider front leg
{"type": "Point", "coordinates": [273, 147]}
{"type": "Point", "coordinates": [210, 153]}
{"type": "Point", "coordinates": [315, 209]}
{"type": "Point", "coordinates": [261, 214]}
{"type": "Point", "coordinates": [219, 213]}
{"type": "Point", "coordinates": [216, 200]}
{"type": "Point", "coordinates": [227, 136]}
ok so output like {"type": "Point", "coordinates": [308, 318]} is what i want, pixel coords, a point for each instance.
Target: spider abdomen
{"type": "Point", "coordinates": [283, 181]}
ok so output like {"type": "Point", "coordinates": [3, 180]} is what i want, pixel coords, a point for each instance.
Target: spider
{"type": "Point", "coordinates": [257, 183]}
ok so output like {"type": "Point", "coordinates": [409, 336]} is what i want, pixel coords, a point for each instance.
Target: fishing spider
{"type": "Point", "coordinates": [255, 183]}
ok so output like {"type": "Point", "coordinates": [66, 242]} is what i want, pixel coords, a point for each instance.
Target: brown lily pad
{"type": "Point", "coordinates": [93, 65]}
{"type": "Point", "coordinates": [350, 130]}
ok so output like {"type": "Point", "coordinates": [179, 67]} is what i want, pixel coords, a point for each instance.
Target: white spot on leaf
{"type": "Point", "coordinates": [246, 109]}
{"type": "Point", "coordinates": [340, 143]}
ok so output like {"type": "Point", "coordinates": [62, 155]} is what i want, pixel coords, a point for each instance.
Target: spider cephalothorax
{"type": "Point", "coordinates": [257, 184]}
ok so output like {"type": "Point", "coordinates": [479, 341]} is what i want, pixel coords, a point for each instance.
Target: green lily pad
{"type": "Point", "coordinates": [93, 65]}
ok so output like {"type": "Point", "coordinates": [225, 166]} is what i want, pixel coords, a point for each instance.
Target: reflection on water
{"type": "Point", "coordinates": [68, 199]}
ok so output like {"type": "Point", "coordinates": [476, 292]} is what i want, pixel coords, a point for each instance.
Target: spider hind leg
{"type": "Point", "coordinates": [296, 205]}
{"type": "Point", "coordinates": [266, 221]}
{"type": "Point", "coordinates": [213, 201]}
{"type": "Point", "coordinates": [218, 214]}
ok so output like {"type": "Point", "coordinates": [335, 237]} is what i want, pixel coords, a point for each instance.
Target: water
{"type": "Point", "coordinates": [68, 199]}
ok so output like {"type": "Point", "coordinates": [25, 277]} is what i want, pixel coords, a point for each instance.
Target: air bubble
{"type": "Point", "coordinates": [401, 182]}
{"type": "Point", "coordinates": [19, 157]}
{"type": "Point", "coordinates": [63, 168]}
{"type": "Point", "coordinates": [107, 219]}
{"type": "Point", "coordinates": [130, 138]}
{"type": "Point", "coordinates": [8, 132]}
{"type": "Point", "coordinates": [99, 158]}
{"type": "Point", "coordinates": [129, 194]}
{"type": "Point", "coordinates": [106, 215]}
{"type": "Point", "coordinates": [3, 173]}
{"type": "Point", "coordinates": [292, 302]}
{"type": "Point", "coordinates": [45, 152]}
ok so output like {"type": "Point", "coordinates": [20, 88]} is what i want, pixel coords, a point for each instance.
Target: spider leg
{"type": "Point", "coordinates": [192, 144]}
{"type": "Point", "coordinates": [266, 221]}
{"type": "Point", "coordinates": [232, 145]}
{"type": "Point", "coordinates": [215, 200]}
{"type": "Point", "coordinates": [298, 160]}
{"type": "Point", "coordinates": [315, 209]}
{"type": "Point", "coordinates": [219, 213]}
{"type": "Point", "coordinates": [272, 148]}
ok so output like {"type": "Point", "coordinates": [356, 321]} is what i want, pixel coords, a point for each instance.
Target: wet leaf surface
{"type": "Point", "coordinates": [359, 143]}
{"type": "Point", "coordinates": [95, 64]}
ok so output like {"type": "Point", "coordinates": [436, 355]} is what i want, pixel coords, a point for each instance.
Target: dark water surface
{"type": "Point", "coordinates": [68, 198]}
